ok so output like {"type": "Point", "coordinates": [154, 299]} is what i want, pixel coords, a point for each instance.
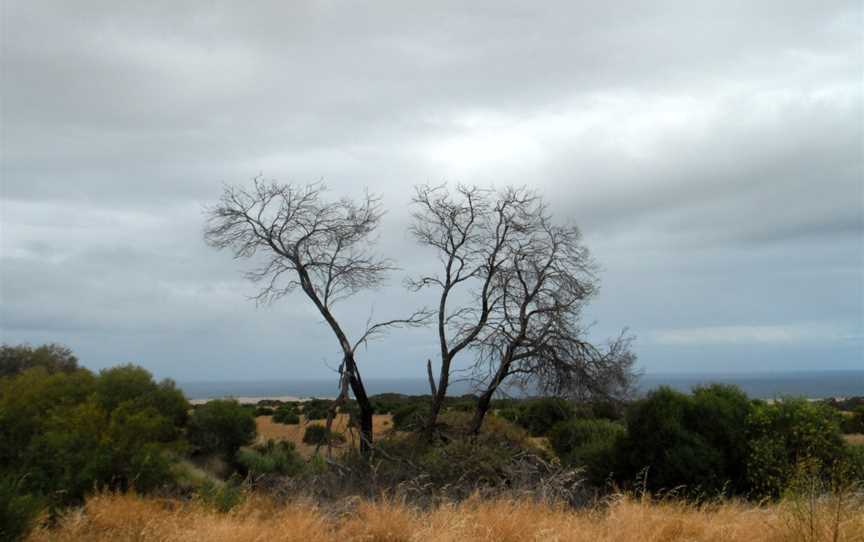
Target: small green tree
{"type": "Point", "coordinates": [685, 440]}
{"type": "Point", "coordinates": [221, 426]}
{"type": "Point", "coordinates": [785, 434]}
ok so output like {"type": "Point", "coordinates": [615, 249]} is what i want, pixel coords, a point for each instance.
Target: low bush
{"type": "Point", "coordinates": [286, 415]}
{"type": "Point", "coordinates": [278, 458]}
{"type": "Point", "coordinates": [411, 417]}
{"type": "Point", "coordinates": [222, 496]}
{"type": "Point", "coordinates": [316, 435]}
{"type": "Point", "coordinates": [588, 443]}
{"type": "Point", "coordinates": [264, 411]}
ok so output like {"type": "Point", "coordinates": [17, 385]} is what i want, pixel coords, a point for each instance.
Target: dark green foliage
{"type": "Point", "coordinates": [608, 410]}
{"type": "Point", "coordinates": [18, 511]}
{"type": "Point", "coordinates": [587, 443]}
{"type": "Point", "coordinates": [785, 434]}
{"type": "Point", "coordinates": [286, 414]}
{"type": "Point", "coordinates": [53, 358]}
{"type": "Point", "coordinates": [264, 411]}
{"type": "Point", "coordinates": [511, 414]}
{"type": "Point", "coordinates": [129, 383]}
{"type": "Point", "coordinates": [696, 441]}
{"type": "Point", "coordinates": [542, 414]}
{"type": "Point", "coordinates": [853, 422]}
{"type": "Point", "coordinates": [351, 408]}
{"type": "Point", "coordinates": [316, 409]}
{"type": "Point", "coordinates": [388, 403]}
{"type": "Point", "coordinates": [411, 416]}
{"type": "Point", "coordinates": [318, 435]}
{"type": "Point", "coordinates": [221, 426]}
{"type": "Point", "coordinates": [59, 435]}
{"type": "Point", "coordinates": [854, 461]}
{"type": "Point", "coordinates": [275, 458]}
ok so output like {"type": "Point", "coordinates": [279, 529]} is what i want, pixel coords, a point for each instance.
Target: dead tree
{"type": "Point", "coordinates": [471, 230]}
{"type": "Point", "coordinates": [533, 335]}
{"type": "Point", "coordinates": [324, 248]}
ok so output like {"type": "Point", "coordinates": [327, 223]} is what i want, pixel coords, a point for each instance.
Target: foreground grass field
{"type": "Point", "coordinates": [132, 518]}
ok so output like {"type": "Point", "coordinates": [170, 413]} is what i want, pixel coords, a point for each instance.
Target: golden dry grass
{"type": "Point", "coordinates": [268, 429]}
{"type": "Point", "coordinates": [130, 518]}
{"type": "Point", "coordinates": [855, 439]}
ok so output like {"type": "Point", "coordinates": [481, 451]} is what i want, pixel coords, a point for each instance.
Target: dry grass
{"type": "Point", "coordinates": [855, 439]}
{"type": "Point", "coordinates": [268, 429]}
{"type": "Point", "coordinates": [130, 518]}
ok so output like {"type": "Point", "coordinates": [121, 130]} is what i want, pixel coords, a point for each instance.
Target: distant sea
{"type": "Point", "coordinates": [811, 384]}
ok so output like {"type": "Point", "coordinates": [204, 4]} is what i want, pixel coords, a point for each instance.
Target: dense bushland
{"type": "Point", "coordinates": [66, 432]}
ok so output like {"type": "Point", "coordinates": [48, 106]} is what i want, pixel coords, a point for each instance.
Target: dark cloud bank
{"type": "Point", "coordinates": [711, 153]}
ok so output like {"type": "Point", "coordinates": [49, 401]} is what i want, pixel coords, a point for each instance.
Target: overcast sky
{"type": "Point", "coordinates": [712, 153]}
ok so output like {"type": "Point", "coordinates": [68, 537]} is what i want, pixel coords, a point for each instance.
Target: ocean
{"type": "Point", "coordinates": [811, 384]}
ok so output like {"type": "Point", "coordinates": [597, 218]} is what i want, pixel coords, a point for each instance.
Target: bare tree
{"type": "Point", "coordinates": [471, 230]}
{"type": "Point", "coordinates": [533, 334]}
{"type": "Point", "coordinates": [324, 248]}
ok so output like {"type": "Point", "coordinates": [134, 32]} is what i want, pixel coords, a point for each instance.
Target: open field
{"type": "Point", "coordinates": [268, 429]}
{"type": "Point", "coordinates": [127, 517]}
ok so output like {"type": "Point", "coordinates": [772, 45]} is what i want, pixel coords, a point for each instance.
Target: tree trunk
{"type": "Point", "coordinates": [486, 396]}
{"type": "Point", "coordinates": [365, 406]}
{"type": "Point", "coordinates": [481, 409]}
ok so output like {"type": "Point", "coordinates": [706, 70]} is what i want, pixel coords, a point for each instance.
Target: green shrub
{"type": "Point", "coordinates": [222, 496]}
{"type": "Point", "coordinates": [783, 435]}
{"type": "Point", "coordinates": [18, 510]}
{"type": "Point", "coordinates": [316, 409]}
{"type": "Point", "coordinates": [272, 458]}
{"type": "Point", "coordinates": [264, 411]}
{"type": "Point", "coordinates": [854, 461]}
{"type": "Point", "coordinates": [541, 415]}
{"type": "Point", "coordinates": [588, 443]}
{"type": "Point", "coordinates": [853, 422]}
{"type": "Point", "coordinates": [568, 436]}
{"type": "Point", "coordinates": [60, 435]}
{"type": "Point", "coordinates": [129, 383]}
{"type": "Point", "coordinates": [221, 426]}
{"type": "Point", "coordinates": [411, 417]}
{"type": "Point", "coordinates": [697, 441]}
{"type": "Point", "coordinates": [286, 415]}
{"type": "Point", "coordinates": [511, 414]}
{"type": "Point", "coordinates": [318, 435]}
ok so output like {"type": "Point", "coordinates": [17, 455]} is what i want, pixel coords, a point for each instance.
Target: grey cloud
{"type": "Point", "coordinates": [711, 152]}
